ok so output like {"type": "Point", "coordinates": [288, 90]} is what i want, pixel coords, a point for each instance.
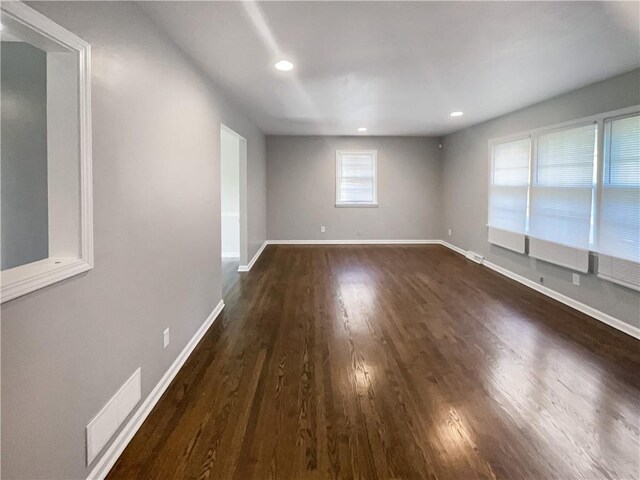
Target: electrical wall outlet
{"type": "Point", "coordinates": [322, 229]}
{"type": "Point", "coordinates": [165, 338]}
{"type": "Point", "coordinates": [576, 279]}
{"type": "Point", "coordinates": [449, 232]}
{"type": "Point", "coordinates": [358, 233]}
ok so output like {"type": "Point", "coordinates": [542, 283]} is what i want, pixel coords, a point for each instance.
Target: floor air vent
{"type": "Point", "coordinates": [475, 257]}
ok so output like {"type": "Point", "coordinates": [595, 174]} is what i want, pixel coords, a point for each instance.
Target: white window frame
{"type": "Point", "coordinates": [339, 155]}
{"type": "Point", "coordinates": [23, 279]}
{"type": "Point", "coordinates": [603, 144]}
{"type": "Point", "coordinates": [612, 269]}
{"type": "Point", "coordinates": [567, 256]}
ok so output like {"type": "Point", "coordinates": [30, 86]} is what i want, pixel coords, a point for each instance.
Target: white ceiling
{"type": "Point", "coordinates": [399, 68]}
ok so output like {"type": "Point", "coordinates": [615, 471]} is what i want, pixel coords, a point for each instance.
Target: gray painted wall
{"type": "Point", "coordinates": [67, 348]}
{"type": "Point", "coordinates": [466, 183]}
{"type": "Point", "coordinates": [25, 216]}
{"type": "Point", "coordinates": [256, 192]}
{"type": "Point", "coordinates": [301, 181]}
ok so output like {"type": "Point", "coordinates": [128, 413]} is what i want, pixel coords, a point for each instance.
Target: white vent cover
{"type": "Point", "coordinates": [113, 414]}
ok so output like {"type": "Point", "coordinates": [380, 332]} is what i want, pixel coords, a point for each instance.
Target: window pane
{"type": "Point", "coordinates": [357, 166]}
{"type": "Point", "coordinates": [563, 189]}
{"type": "Point", "coordinates": [566, 157]}
{"type": "Point", "coordinates": [356, 190]}
{"type": "Point", "coordinates": [623, 162]}
{"type": "Point", "coordinates": [511, 163]}
{"type": "Point", "coordinates": [508, 208]}
{"type": "Point", "coordinates": [561, 215]}
{"type": "Point", "coordinates": [509, 186]}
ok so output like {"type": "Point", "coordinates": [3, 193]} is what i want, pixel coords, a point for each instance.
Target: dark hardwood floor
{"type": "Point", "coordinates": [384, 362]}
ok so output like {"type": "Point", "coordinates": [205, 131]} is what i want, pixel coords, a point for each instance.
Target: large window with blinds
{"type": "Point", "coordinates": [356, 178]}
{"type": "Point", "coordinates": [562, 186]}
{"type": "Point", "coordinates": [572, 190]}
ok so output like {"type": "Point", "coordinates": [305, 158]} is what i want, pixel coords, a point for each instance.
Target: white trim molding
{"type": "Point", "coordinates": [246, 268]}
{"type": "Point", "coordinates": [454, 248]}
{"type": "Point", "coordinates": [51, 37]}
{"type": "Point", "coordinates": [114, 451]}
{"type": "Point", "coordinates": [354, 242]}
{"type": "Point", "coordinates": [576, 305]}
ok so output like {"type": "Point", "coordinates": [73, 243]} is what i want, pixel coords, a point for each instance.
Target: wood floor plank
{"type": "Point", "coordinates": [389, 362]}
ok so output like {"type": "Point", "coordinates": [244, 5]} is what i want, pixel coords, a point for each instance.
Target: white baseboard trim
{"type": "Point", "coordinates": [246, 268]}
{"type": "Point", "coordinates": [454, 248]}
{"type": "Point", "coordinates": [353, 242]}
{"type": "Point", "coordinates": [110, 457]}
{"type": "Point", "coordinates": [581, 307]}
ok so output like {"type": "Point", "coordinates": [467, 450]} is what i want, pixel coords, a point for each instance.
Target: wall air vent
{"type": "Point", "coordinates": [105, 424]}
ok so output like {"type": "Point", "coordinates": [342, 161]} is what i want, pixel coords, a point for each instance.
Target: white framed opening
{"type": "Point", "coordinates": [47, 207]}
{"type": "Point", "coordinates": [233, 196]}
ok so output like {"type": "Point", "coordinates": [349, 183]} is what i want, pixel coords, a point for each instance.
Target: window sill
{"type": "Point", "coordinates": [356, 205]}
{"type": "Point", "coordinates": [27, 278]}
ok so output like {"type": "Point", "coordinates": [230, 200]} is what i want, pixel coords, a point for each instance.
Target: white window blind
{"type": "Point", "coordinates": [557, 254]}
{"type": "Point", "coordinates": [619, 227]}
{"type": "Point", "coordinates": [508, 190]}
{"type": "Point", "coordinates": [562, 189]}
{"type": "Point", "coordinates": [356, 178]}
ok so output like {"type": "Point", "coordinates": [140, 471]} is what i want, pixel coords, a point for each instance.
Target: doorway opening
{"type": "Point", "coordinates": [233, 190]}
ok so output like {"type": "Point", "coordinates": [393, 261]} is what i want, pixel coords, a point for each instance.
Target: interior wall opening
{"type": "Point", "coordinates": [233, 208]}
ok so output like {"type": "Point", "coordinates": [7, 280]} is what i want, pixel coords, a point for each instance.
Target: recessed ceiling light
{"type": "Point", "coordinates": [457, 114]}
{"type": "Point", "coordinates": [362, 129]}
{"type": "Point", "coordinates": [284, 65]}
